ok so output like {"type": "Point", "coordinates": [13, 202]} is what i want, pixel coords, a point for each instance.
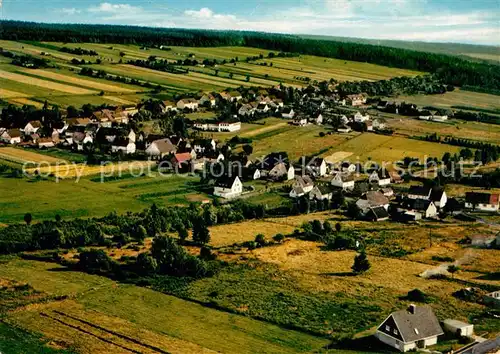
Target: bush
{"type": "Point", "coordinates": [361, 263]}
{"type": "Point", "coordinates": [278, 237]}
{"type": "Point", "coordinates": [260, 239]}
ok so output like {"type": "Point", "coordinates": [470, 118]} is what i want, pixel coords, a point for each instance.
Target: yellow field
{"type": "Point", "coordinates": [25, 156]}
{"type": "Point", "coordinates": [77, 81]}
{"type": "Point", "coordinates": [9, 94]}
{"type": "Point", "coordinates": [117, 99]}
{"type": "Point", "coordinates": [64, 170]}
{"type": "Point", "coordinates": [43, 83]}
{"type": "Point", "coordinates": [25, 101]}
{"type": "Point", "coordinates": [264, 130]}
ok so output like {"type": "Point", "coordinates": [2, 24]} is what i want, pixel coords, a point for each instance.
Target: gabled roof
{"type": "Point", "coordinates": [417, 325]}
{"type": "Point", "coordinates": [35, 123]}
{"type": "Point", "coordinates": [324, 189]}
{"type": "Point", "coordinates": [182, 157]}
{"type": "Point", "coordinates": [13, 133]}
{"type": "Point", "coordinates": [344, 177]}
{"type": "Point", "coordinates": [304, 181]}
{"type": "Point", "coordinates": [481, 198]}
{"type": "Point", "coordinates": [164, 145]}
{"type": "Point", "coordinates": [436, 194]}
{"type": "Point", "coordinates": [421, 191]}
{"type": "Point", "coordinates": [225, 181]}
{"type": "Point", "coordinates": [418, 204]}
{"type": "Point", "coordinates": [287, 110]}
{"type": "Point", "coordinates": [379, 212]}
{"type": "Point", "coordinates": [375, 198]}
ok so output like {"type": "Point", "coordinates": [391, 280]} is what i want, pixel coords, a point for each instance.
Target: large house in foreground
{"type": "Point", "coordinates": [228, 187]}
{"type": "Point", "coordinates": [410, 329]}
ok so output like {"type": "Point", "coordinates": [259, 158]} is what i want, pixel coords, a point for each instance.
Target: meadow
{"type": "Point", "coordinates": [100, 308]}
{"type": "Point", "coordinates": [369, 146]}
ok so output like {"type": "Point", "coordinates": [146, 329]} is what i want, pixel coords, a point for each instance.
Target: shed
{"type": "Point", "coordinates": [461, 329]}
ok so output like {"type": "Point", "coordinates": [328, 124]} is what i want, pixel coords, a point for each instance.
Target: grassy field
{"type": "Point", "coordinates": [117, 312]}
{"type": "Point", "coordinates": [22, 156]}
{"type": "Point", "coordinates": [455, 98]}
{"type": "Point", "coordinates": [390, 148]}
{"type": "Point", "coordinates": [88, 197]}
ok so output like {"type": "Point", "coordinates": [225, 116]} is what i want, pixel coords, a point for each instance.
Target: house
{"type": "Point", "coordinates": [262, 108]}
{"type": "Point", "coordinates": [343, 180]}
{"type": "Point", "coordinates": [321, 192]}
{"type": "Point", "coordinates": [356, 100]}
{"type": "Point", "coordinates": [132, 136]}
{"type": "Point", "coordinates": [181, 160]}
{"type": "Point", "coordinates": [388, 192]}
{"type": "Point", "coordinates": [161, 148]}
{"type": "Point", "coordinates": [280, 171]}
{"type": "Point", "coordinates": [297, 192]}
{"type": "Point", "coordinates": [288, 113]}
{"type": "Point", "coordinates": [417, 192]}
{"type": "Point", "coordinates": [317, 119]}
{"type": "Point", "coordinates": [413, 328]}
{"type": "Point", "coordinates": [317, 167]}
{"type": "Point", "coordinates": [346, 166]}
{"type": "Point", "coordinates": [246, 110]}
{"type": "Point", "coordinates": [360, 118]}
{"type": "Point", "coordinates": [123, 145]}
{"type": "Point", "coordinates": [208, 100]}
{"type": "Point", "coordinates": [439, 197]}
{"type": "Point", "coordinates": [81, 139]}
{"type": "Point", "coordinates": [344, 129]}
{"type": "Point", "coordinates": [82, 122]}
{"type": "Point", "coordinates": [167, 106]}
{"type": "Point", "coordinates": [104, 117]}
{"type": "Point", "coordinates": [381, 177]}
{"type": "Point", "coordinates": [229, 126]}
{"type": "Point", "coordinates": [426, 207]}
{"type": "Point", "coordinates": [228, 187]}
{"type": "Point", "coordinates": [11, 136]}
{"type": "Point", "coordinates": [44, 143]}
{"type": "Point", "coordinates": [300, 121]}
{"type": "Point", "coordinates": [482, 201]}
{"type": "Point", "coordinates": [201, 145]}
{"type": "Point", "coordinates": [369, 125]}
{"type": "Point", "coordinates": [251, 173]}
{"type": "Point", "coordinates": [32, 127]}
{"type": "Point", "coordinates": [304, 182]}
{"type": "Point", "coordinates": [232, 96]}
{"type": "Point", "coordinates": [395, 177]}
{"type": "Point", "coordinates": [459, 328]}
{"type": "Point", "coordinates": [377, 214]}
{"type": "Point", "coordinates": [189, 103]}
{"type": "Point", "coordinates": [372, 199]}
{"type": "Point", "coordinates": [378, 124]}
{"type": "Point", "coordinates": [490, 346]}
{"type": "Point", "coordinates": [492, 299]}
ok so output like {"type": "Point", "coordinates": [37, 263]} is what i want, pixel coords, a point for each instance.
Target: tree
{"type": "Point", "coordinates": [338, 227]}
{"type": "Point", "coordinates": [453, 269]}
{"type": "Point", "coordinates": [361, 263]}
{"type": "Point", "coordinates": [260, 239]}
{"type": "Point", "coordinates": [146, 264]}
{"type": "Point", "coordinates": [201, 233]}
{"type": "Point", "coordinates": [58, 218]}
{"type": "Point", "coordinates": [28, 218]}
{"type": "Point", "coordinates": [140, 233]}
{"type": "Point", "coordinates": [327, 228]}
{"type": "Point", "coordinates": [183, 234]}
{"type": "Point", "coordinates": [95, 261]}
{"type": "Point", "coordinates": [248, 149]}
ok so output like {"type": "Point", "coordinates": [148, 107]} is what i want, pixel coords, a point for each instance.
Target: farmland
{"type": "Point", "coordinates": [25, 86]}
{"type": "Point", "coordinates": [105, 306]}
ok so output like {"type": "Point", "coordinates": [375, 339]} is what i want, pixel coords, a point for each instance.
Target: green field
{"type": "Point", "coordinates": [87, 198]}
{"type": "Point", "coordinates": [129, 309]}
{"type": "Point", "coordinates": [379, 148]}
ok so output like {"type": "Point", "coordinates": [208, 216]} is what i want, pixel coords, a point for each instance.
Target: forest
{"type": "Point", "coordinates": [449, 69]}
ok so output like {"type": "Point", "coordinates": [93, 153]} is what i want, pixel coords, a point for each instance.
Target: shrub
{"type": "Point", "coordinates": [260, 239]}
{"type": "Point", "coordinates": [278, 237]}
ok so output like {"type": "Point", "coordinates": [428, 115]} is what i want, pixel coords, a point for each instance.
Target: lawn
{"type": "Point", "coordinates": [179, 326]}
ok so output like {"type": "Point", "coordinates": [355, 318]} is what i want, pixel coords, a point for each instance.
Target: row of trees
{"type": "Point", "coordinates": [158, 64]}
{"type": "Point", "coordinates": [79, 51]}
{"type": "Point", "coordinates": [25, 60]}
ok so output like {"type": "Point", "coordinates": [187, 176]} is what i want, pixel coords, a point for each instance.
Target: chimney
{"type": "Point", "coordinates": [412, 309]}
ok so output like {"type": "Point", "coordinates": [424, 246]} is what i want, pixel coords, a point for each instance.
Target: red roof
{"type": "Point", "coordinates": [185, 156]}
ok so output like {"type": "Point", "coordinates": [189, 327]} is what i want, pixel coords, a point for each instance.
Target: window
{"type": "Point", "coordinates": [395, 331]}
{"type": "Point", "coordinates": [387, 328]}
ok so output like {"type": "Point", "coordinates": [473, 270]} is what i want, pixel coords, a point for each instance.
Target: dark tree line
{"type": "Point", "coordinates": [25, 60]}
{"type": "Point", "coordinates": [158, 64]}
{"type": "Point", "coordinates": [78, 51]}
{"type": "Point", "coordinates": [449, 69]}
